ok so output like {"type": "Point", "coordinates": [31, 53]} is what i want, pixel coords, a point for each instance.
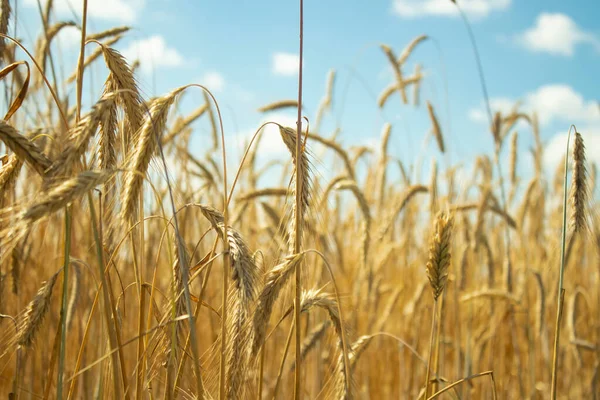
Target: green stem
{"type": "Point", "coordinates": [561, 290]}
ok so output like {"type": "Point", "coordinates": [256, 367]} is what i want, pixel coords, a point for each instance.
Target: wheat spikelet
{"type": "Point", "coordinates": [139, 160]}
{"type": "Point", "coordinates": [367, 219]}
{"type": "Point", "coordinates": [275, 281]}
{"type": "Point", "coordinates": [540, 304]}
{"type": "Point", "coordinates": [9, 174]}
{"type": "Point", "coordinates": [417, 86]}
{"type": "Point", "coordinates": [312, 338]}
{"type": "Point", "coordinates": [24, 149]}
{"type": "Point", "coordinates": [35, 313]}
{"type": "Point", "coordinates": [244, 270]}
{"type": "Point", "coordinates": [397, 71]}
{"type": "Point", "coordinates": [289, 139]}
{"type": "Point", "coordinates": [79, 138]}
{"type": "Point", "coordinates": [326, 101]}
{"type": "Point", "coordinates": [94, 56]}
{"type": "Point", "coordinates": [408, 194]}
{"type": "Point", "coordinates": [482, 207]}
{"type": "Point", "coordinates": [63, 193]}
{"type": "Point", "coordinates": [433, 188]}
{"type": "Point", "coordinates": [492, 293]}
{"type": "Point", "coordinates": [316, 298]}
{"type": "Point", "coordinates": [490, 259]}
{"type": "Point", "coordinates": [118, 30]}
{"type": "Point", "coordinates": [270, 192]}
{"type": "Point", "coordinates": [5, 12]}
{"type": "Point", "coordinates": [121, 79]}
{"type": "Point", "coordinates": [513, 158]}
{"type": "Point", "coordinates": [213, 121]}
{"type": "Point", "coordinates": [409, 49]}
{"type": "Point", "coordinates": [491, 207]}
{"type": "Point", "coordinates": [278, 105]}
{"type": "Point", "coordinates": [439, 253]}
{"type": "Point", "coordinates": [383, 159]}
{"type": "Point", "coordinates": [336, 148]}
{"type": "Point", "coordinates": [43, 44]}
{"type": "Point", "coordinates": [437, 132]}
{"type": "Point", "coordinates": [414, 80]}
{"type": "Point", "coordinates": [107, 154]}
{"type": "Point", "coordinates": [579, 187]}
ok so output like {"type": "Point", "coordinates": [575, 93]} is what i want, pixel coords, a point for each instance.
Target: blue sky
{"type": "Point", "coordinates": [546, 54]}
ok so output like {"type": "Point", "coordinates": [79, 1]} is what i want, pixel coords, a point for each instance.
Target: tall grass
{"type": "Point", "coordinates": [118, 281]}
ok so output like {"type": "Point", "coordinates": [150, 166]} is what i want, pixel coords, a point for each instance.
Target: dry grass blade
{"type": "Point", "coordinates": [144, 150]}
{"type": "Point", "coordinates": [20, 97]}
{"type": "Point", "coordinates": [437, 131]}
{"type": "Point", "coordinates": [278, 105]}
{"type": "Point", "coordinates": [5, 11]}
{"type": "Point", "coordinates": [274, 283]}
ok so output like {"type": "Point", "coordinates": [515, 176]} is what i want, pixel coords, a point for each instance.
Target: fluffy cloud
{"type": "Point", "coordinates": [214, 81]}
{"type": "Point", "coordinates": [552, 103]}
{"type": "Point", "coordinates": [555, 34]}
{"type": "Point", "coordinates": [420, 8]}
{"type": "Point", "coordinates": [125, 11]}
{"type": "Point", "coordinates": [285, 64]}
{"type": "Point", "coordinates": [153, 52]}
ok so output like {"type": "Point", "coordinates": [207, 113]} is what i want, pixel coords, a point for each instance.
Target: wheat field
{"type": "Point", "coordinates": [135, 267]}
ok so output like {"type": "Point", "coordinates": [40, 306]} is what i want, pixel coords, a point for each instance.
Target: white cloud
{"type": "Point", "coordinates": [555, 34]}
{"type": "Point", "coordinates": [286, 64]}
{"type": "Point", "coordinates": [556, 147]}
{"type": "Point", "coordinates": [214, 81]}
{"type": "Point", "coordinates": [443, 8]}
{"type": "Point", "coordinates": [502, 104]}
{"type": "Point", "coordinates": [153, 52]}
{"type": "Point", "coordinates": [125, 11]}
{"type": "Point", "coordinates": [552, 103]}
{"type": "Point", "coordinates": [69, 37]}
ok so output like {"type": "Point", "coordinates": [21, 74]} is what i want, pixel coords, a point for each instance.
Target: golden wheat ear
{"type": "Point", "coordinates": [439, 253]}
{"type": "Point", "coordinates": [35, 312]}
{"type": "Point", "coordinates": [437, 131]}
{"type": "Point", "coordinates": [579, 191]}
{"type": "Point", "coordinates": [24, 149]}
